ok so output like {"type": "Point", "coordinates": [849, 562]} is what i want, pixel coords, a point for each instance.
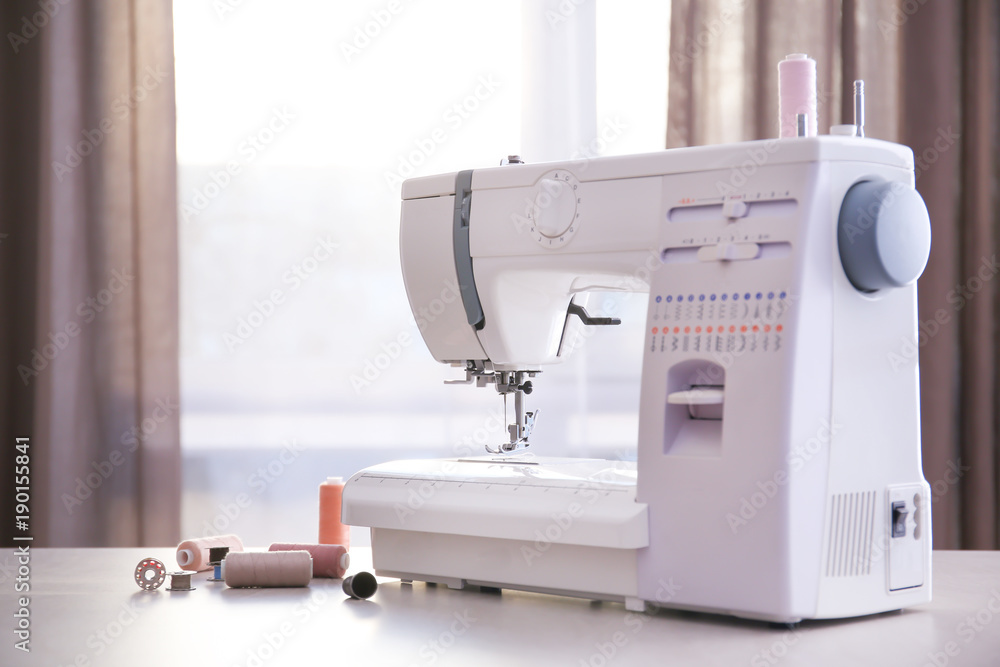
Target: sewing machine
{"type": "Point", "coordinates": [778, 473]}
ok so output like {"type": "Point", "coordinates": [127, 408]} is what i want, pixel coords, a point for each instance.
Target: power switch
{"type": "Point", "coordinates": [909, 530]}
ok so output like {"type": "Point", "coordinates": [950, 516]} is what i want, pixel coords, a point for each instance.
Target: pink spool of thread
{"type": "Point", "coordinates": [267, 569]}
{"type": "Point", "coordinates": [797, 94]}
{"type": "Point", "coordinates": [329, 560]}
{"type": "Point", "coordinates": [331, 497]}
{"type": "Point", "coordinates": [193, 554]}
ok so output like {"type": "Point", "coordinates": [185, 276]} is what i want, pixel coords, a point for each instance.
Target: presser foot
{"type": "Point", "coordinates": [524, 421]}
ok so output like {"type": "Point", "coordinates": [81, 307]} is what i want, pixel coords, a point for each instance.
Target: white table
{"type": "Point", "coordinates": [87, 610]}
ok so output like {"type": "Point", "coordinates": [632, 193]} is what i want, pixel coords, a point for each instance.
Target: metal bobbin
{"type": "Point", "coordinates": [150, 574]}
{"type": "Point", "coordinates": [180, 581]}
{"type": "Point", "coordinates": [215, 557]}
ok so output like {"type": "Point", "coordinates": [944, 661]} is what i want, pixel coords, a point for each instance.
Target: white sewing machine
{"type": "Point", "coordinates": [778, 473]}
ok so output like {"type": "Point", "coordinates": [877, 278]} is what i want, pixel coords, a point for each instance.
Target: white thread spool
{"type": "Point", "coordinates": [797, 94]}
{"type": "Point", "coordinates": [267, 569]}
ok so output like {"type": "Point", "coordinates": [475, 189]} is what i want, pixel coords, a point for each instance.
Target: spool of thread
{"type": "Point", "coordinates": [331, 530]}
{"type": "Point", "coordinates": [193, 554]}
{"type": "Point", "coordinates": [268, 569]}
{"type": "Point", "coordinates": [329, 560]}
{"type": "Point", "coordinates": [216, 554]}
{"type": "Point", "coordinates": [797, 94]}
{"type": "Point", "coordinates": [215, 558]}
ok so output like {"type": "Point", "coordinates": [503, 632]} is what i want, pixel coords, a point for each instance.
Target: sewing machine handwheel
{"type": "Point", "coordinates": [884, 235]}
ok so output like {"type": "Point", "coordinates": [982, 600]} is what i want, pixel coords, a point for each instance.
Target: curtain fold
{"type": "Point", "coordinates": [931, 80]}
{"type": "Point", "coordinates": [978, 176]}
{"type": "Point", "coordinates": [100, 368]}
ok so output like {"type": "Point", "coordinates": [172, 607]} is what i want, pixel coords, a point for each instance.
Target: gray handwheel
{"type": "Point", "coordinates": [884, 235]}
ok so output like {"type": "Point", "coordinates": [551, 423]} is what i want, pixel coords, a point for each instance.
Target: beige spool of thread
{"type": "Point", "coordinates": [193, 554]}
{"type": "Point", "coordinates": [268, 569]}
{"type": "Point", "coordinates": [329, 560]}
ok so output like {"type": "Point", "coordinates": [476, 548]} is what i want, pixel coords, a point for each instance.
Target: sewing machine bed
{"type": "Point", "coordinates": [525, 522]}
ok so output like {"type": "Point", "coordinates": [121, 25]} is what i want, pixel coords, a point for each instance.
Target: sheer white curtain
{"type": "Point", "coordinates": [559, 85]}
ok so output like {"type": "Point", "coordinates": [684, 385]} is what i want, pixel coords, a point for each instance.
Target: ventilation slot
{"type": "Point", "coordinates": [852, 523]}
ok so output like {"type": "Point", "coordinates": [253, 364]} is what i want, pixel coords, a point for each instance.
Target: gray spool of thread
{"type": "Point", "coordinates": [180, 581]}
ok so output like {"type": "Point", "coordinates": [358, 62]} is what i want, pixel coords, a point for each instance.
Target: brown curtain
{"type": "Point", "coordinates": [89, 265]}
{"type": "Point", "coordinates": [931, 79]}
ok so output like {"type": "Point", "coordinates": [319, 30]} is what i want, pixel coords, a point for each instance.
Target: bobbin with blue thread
{"type": "Point", "coordinates": [215, 557]}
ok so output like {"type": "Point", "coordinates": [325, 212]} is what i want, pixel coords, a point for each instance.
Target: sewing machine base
{"type": "Point", "coordinates": [458, 561]}
{"type": "Point", "coordinates": [557, 526]}
{"type": "Point", "coordinates": [609, 574]}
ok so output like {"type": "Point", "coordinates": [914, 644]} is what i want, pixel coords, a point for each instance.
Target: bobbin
{"type": "Point", "coordinates": [215, 557]}
{"type": "Point", "coordinates": [180, 581]}
{"type": "Point", "coordinates": [150, 574]}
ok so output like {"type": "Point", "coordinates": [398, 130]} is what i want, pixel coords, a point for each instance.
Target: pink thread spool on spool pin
{"type": "Point", "coordinates": [268, 569]}
{"type": "Point", "coordinates": [193, 554]}
{"type": "Point", "coordinates": [329, 560]}
{"type": "Point", "coordinates": [797, 94]}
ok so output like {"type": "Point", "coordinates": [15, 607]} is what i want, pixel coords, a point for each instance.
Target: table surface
{"type": "Point", "coordinates": [85, 609]}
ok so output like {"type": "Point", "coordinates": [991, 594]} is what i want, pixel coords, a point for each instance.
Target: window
{"type": "Point", "coordinates": [296, 123]}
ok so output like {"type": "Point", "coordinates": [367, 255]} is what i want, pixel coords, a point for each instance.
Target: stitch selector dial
{"type": "Point", "coordinates": [555, 213]}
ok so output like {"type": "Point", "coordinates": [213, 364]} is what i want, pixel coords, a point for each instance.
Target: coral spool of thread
{"type": "Point", "coordinates": [193, 554]}
{"type": "Point", "coordinates": [331, 530]}
{"type": "Point", "coordinates": [797, 94]}
{"type": "Point", "coordinates": [268, 569]}
{"type": "Point", "coordinates": [329, 560]}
